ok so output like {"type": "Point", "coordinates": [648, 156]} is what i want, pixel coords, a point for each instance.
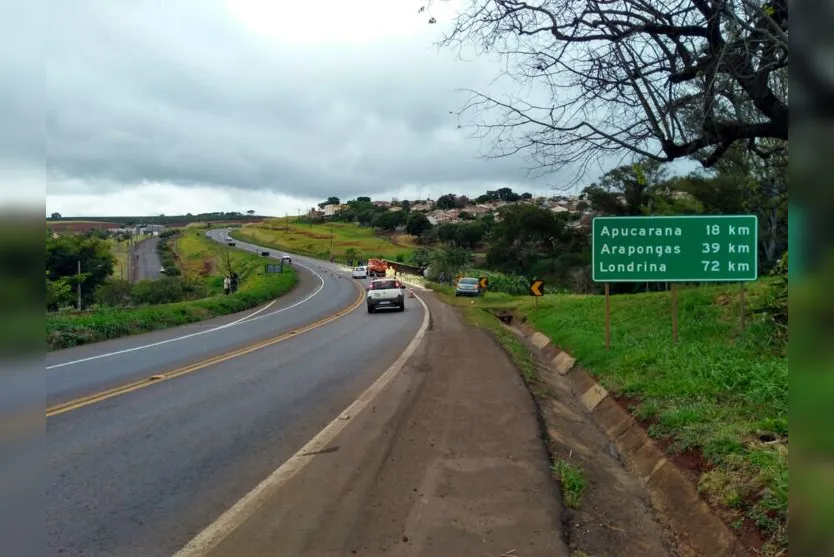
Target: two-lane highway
{"type": "Point", "coordinates": [142, 472]}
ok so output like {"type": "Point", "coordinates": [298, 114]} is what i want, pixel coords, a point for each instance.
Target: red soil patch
{"type": "Point", "coordinates": [694, 464]}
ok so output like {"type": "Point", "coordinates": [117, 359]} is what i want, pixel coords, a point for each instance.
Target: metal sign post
{"type": "Point", "coordinates": [607, 317]}
{"type": "Point", "coordinates": [675, 312]}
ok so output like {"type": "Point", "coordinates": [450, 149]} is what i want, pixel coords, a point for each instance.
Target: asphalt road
{"type": "Point", "coordinates": [146, 262]}
{"type": "Point", "coordinates": [142, 473]}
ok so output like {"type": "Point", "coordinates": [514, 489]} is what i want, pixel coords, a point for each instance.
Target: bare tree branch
{"type": "Point", "coordinates": [659, 79]}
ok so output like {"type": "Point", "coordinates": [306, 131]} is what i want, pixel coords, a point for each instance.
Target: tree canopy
{"type": "Point", "coordinates": [662, 80]}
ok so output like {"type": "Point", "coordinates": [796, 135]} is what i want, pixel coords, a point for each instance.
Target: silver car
{"type": "Point", "coordinates": [468, 286]}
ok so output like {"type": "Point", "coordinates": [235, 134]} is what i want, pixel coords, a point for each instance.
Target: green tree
{"type": "Point", "coordinates": [526, 235]}
{"type": "Point", "coordinates": [447, 232]}
{"type": "Point", "coordinates": [388, 220]}
{"type": "Point", "coordinates": [445, 202]}
{"type": "Point", "coordinates": [626, 190]}
{"type": "Point", "coordinates": [351, 256]}
{"type": "Point", "coordinates": [114, 293]}
{"type": "Point", "coordinates": [470, 234]}
{"type": "Point", "coordinates": [332, 200]}
{"type": "Point", "coordinates": [508, 195]}
{"type": "Point", "coordinates": [422, 256]}
{"type": "Point", "coordinates": [58, 293]}
{"type": "Point", "coordinates": [449, 260]}
{"type": "Point", "coordinates": [417, 224]}
{"type": "Point", "coordinates": [64, 253]}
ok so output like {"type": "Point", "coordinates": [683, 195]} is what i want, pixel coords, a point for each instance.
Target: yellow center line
{"type": "Point", "coordinates": [158, 378]}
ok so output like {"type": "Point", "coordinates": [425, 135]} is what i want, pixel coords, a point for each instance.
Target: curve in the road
{"type": "Point", "coordinates": [229, 521]}
{"type": "Point", "coordinates": [249, 317]}
{"type": "Point", "coordinates": [91, 369]}
{"type": "Point", "coordinates": [142, 474]}
{"type": "Point", "coordinates": [156, 378]}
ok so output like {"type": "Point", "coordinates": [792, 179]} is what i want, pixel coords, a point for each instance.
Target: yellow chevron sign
{"type": "Point", "coordinates": [537, 288]}
{"type": "Point", "coordinates": [483, 282]}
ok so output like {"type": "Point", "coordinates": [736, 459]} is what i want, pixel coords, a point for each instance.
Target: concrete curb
{"type": "Point", "coordinates": [672, 494]}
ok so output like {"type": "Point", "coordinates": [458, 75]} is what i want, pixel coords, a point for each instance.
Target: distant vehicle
{"type": "Point", "coordinates": [468, 286]}
{"type": "Point", "coordinates": [386, 293]}
{"type": "Point", "coordinates": [286, 259]}
{"type": "Point", "coordinates": [360, 272]}
{"type": "Point", "coordinates": [162, 270]}
{"type": "Point", "coordinates": [377, 267]}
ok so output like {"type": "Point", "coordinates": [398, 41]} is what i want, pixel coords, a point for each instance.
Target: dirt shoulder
{"type": "Point", "coordinates": [448, 460]}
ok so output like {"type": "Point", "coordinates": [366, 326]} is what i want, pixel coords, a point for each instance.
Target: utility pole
{"type": "Point", "coordinates": [79, 285]}
{"type": "Point", "coordinates": [287, 219]}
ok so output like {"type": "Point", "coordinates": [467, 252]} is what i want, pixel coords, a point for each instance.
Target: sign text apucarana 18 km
{"type": "Point", "coordinates": [713, 248]}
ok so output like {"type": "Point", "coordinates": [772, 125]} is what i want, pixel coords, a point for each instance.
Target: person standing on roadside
{"type": "Point", "coordinates": [227, 284]}
{"type": "Point", "coordinates": [235, 280]}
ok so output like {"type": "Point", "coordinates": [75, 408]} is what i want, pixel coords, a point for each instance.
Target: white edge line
{"type": "Point", "coordinates": [212, 330]}
{"type": "Point", "coordinates": [210, 537]}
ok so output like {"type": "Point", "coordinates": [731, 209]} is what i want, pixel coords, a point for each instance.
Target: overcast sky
{"type": "Point", "coordinates": [202, 105]}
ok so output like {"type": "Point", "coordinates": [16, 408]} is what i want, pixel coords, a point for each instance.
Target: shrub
{"type": "Point", "coordinates": [114, 293]}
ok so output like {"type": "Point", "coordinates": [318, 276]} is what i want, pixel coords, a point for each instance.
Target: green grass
{"type": "Point", "coordinates": [200, 257]}
{"type": "Point", "coordinates": [119, 251]}
{"type": "Point", "coordinates": [715, 392]}
{"type": "Point", "coordinates": [315, 240]}
{"type": "Point", "coordinates": [572, 483]}
{"type": "Point", "coordinates": [64, 330]}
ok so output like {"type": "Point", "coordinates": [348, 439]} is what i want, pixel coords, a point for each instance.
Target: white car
{"type": "Point", "coordinates": [386, 293]}
{"type": "Point", "coordinates": [360, 272]}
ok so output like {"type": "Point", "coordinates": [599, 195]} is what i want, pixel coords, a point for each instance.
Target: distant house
{"type": "Point", "coordinates": [420, 206]}
{"type": "Point", "coordinates": [330, 210]}
{"type": "Point", "coordinates": [384, 204]}
{"type": "Point", "coordinates": [394, 209]}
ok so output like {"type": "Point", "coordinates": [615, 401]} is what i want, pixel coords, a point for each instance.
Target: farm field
{"type": "Point", "coordinates": [322, 240]}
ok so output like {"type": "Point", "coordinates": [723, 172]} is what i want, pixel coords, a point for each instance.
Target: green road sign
{"type": "Point", "coordinates": [714, 248]}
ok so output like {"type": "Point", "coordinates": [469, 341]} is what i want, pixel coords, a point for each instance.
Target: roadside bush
{"type": "Point", "coordinates": [166, 290]}
{"type": "Point", "coordinates": [114, 293]}
{"type": "Point", "coordinates": [66, 329]}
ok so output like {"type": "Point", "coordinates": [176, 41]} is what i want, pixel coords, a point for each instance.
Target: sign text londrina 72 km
{"type": "Point", "coordinates": [675, 249]}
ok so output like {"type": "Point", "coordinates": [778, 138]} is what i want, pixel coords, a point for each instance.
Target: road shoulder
{"type": "Point", "coordinates": [447, 460]}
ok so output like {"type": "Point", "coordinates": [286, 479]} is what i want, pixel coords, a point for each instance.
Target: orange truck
{"type": "Point", "coordinates": [377, 267]}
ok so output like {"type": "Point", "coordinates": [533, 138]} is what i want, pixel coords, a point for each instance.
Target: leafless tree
{"type": "Point", "coordinates": [227, 263]}
{"type": "Point", "coordinates": [657, 79]}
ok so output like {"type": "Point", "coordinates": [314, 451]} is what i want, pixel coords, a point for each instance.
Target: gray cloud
{"type": "Point", "coordinates": [180, 93]}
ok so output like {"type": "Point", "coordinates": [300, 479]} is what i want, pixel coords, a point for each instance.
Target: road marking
{"type": "Point", "coordinates": [245, 319]}
{"type": "Point", "coordinates": [229, 521]}
{"type": "Point", "coordinates": [160, 377]}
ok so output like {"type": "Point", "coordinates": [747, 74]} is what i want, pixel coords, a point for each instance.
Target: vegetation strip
{"type": "Point", "coordinates": [204, 262]}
